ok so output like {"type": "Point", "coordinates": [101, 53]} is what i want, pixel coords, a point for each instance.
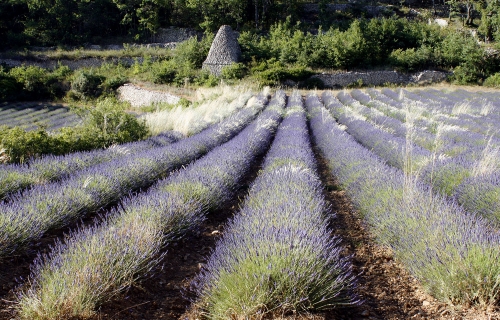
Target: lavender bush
{"type": "Point", "coordinates": [453, 254]}
{"type": "Point", "coordinates": [398, 152]}
{"type": "Point", "coordinates": [97, 263]}
{"type": "Point", "coordinates": [277, 255]}
{"type": "Point", "coordinates": [28, 216]}
{"type": "Point", "coordinates": [460, 165]}
{"type": "Point", "coordinates": [50, 168]}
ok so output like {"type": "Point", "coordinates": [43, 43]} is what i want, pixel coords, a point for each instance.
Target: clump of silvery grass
{"type": "Point", "coordinates": [29, 215]}
{"type": "Point", "coordinates": [462, 177]}
{"type": "Point", "coordinates": [97, 263]}
{"type": "Point", "coordinates": [453, 254]}
{"type": "Point", "coordinates": [196, 117]}
{"type": "Point", "coordinates": [277, 255]}
{"type": "Point", "coordinates": [391, 148]}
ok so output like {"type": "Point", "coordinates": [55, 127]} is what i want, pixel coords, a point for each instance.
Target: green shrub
{"type": "Point", "coordinates": [105, 124]}
{"type": "Point", "coordinates": [233, 71]}
{"type": "Point", "coordinates": [206, 79]}
{"type": "Point", "coordinates": [164, 73]}
{"type": "Point", "coordinates": [411, 59]}
{"type": "Point", "coordinates": [111, 84]}
{"type": "Point", "coordinates": [314, 83]}
{"type": "Point", "coordinates": [192, 52]}
{"type": "Point", "coordinates": [9, 87]}
{"type": "Point", "coordinates": [111, 121]}
{"type": "Point", "coordinates": [21, 145]}
{"type": "Point", "coordinates": [86, 84]}
{"type": "Point", "coordinates": [465, 74]}
{"type": "Point", "coordinates": [493, 81]}
{"type": "Point", "coordinates": [33, 80]}
{"type": "Point", "coordinates": [273, 72]}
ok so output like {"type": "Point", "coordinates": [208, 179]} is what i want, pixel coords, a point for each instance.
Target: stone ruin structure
{"type": "Point", "coordinates": [224, 51]}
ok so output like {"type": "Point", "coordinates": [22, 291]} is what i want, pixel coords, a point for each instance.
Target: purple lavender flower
{"type": "Point", "coordinates": [277, 254]}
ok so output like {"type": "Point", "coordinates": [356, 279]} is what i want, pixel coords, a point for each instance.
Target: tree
{"type": "Point", "coordinates": [215, 13]}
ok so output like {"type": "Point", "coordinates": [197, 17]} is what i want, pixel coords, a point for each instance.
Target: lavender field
{"type": "Point", "coordinates": [361, 204]}
{"type": "Point", "coordinates": [30, 116]}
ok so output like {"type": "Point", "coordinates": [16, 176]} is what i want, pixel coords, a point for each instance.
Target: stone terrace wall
{"type": "Point", "coordinates": [142, 97]}
{"type": "Point", "coordinates": [378, 78]}
{"type": "Point", "coordinates": [72, 64]}
{"type": "Point", "coordinates": [172, 34]}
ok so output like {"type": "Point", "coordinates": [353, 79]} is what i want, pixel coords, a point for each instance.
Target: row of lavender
{"type": "Point", "coordinates": [455, 131]}
{"type": "Point", "coordinates": [479, 116]}
{"type": "Point", "coordinates": [96, 263]}
{"type": "Point", "coordinates": [28, 216]}
{"type": "Point", "coordinates": [16, 177]}
{"type": "Point", "coordinates": [471, 177]}
{"type": "Point", "coordinates": [453, 253]}
{"type": "Point", "coordinates": [277, 254]}
{"type": "Point", "coordinates": [31, 116]}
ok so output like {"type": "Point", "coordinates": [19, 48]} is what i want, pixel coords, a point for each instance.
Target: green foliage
{"type": "Point", "coordinates": [412, 59]}
{"type": "Point", "coordinates": [165, 72]}
{"type": "Point", "coordinates": [206, 79]}
{"type": "Point", "coordinates": [233, 71]}
{"type": "Point", "coordinates": [86, 84]}
{"type": "Point", "coordinates": [493, 81]}
{"type": "Point", "coordinates": [33, 80]}
{"type": "Point", "coordinates": [105, 124]}
{"type": "Point", "coordinates": [364, 43]}
{"type": "Point", "coordinates": [21, 145]}
{"type": "Point", "coordinates": [215, 13]}
{"type": "Point", "coordinates": [193, 52]}
{"type": "Point", "coordinates": [9, 87]}
{"type": "Point", "coordinates": [314, 83]}
{"type": "Point", "coordinates": [273, 72]}
{"type": "Point", "coordinates": [32, 83]}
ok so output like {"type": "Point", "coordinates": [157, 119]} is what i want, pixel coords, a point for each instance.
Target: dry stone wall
{"type": "Point", "coordinates": [379, 78]}
{"type": "Point", "coordinates": [72, 64]}
{"type": "Point", "coordinates": [141, 97]}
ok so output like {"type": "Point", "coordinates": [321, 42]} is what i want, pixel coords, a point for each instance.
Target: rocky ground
{"type": "Point", "coordinates": [138, 96]}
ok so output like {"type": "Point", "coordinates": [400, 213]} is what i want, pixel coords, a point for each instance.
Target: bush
{"type": "Point", "coordinates": [105, 124]}
{"type": "Point", "coordinates": [20, 145]}
{"type": "Point", "coordinates": [411, 59]}
{"type": "Point", "coordinates": [111, 121]}
{"type": "Point", "coordinates": [273, 72]}
{"type": "Point", "coordinates": [111, 84]}
{"type": "Point", "coordinates": [33, 81]}
{"type": "Point", "coordinates": [493, 81]}
{"type": "Point", "coordinates": [193, 52]}
{"type": "Point", "coordinates": [314, 83]}
{"type": "Point", "coordinates": [164, 72]}
{"type": "Point", "coordinates": [205, 78]}
{"type": "Point", "coordinates": [465, 74]}
{"type": "Point", "coordinates": [233, 71]}
{"type": "Point", "coordinates": [86, 84]}
{"type": "Point", "coordinates": [9, 87]}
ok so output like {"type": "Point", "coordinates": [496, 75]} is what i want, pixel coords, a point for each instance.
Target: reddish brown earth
{"type": "Point", "coordinates": [386, 288]}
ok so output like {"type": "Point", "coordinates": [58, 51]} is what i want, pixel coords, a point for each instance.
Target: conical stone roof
{"type": "Point", "coordinates": [224, 51]}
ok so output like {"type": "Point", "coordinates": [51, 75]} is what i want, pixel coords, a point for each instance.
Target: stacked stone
{"type": "Point", "coordinates": [141, 97]}
{"type": "Point", "coordinates": [224, 51]}
{"type": "Point", "coordinates": [379, 78]}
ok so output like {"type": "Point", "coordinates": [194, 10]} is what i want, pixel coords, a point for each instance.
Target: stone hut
{"type": "Point", "coordinates": [224, 51]}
